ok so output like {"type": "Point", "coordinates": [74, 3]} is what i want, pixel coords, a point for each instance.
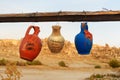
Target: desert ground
{"type": "Point", "coordinates": [78, 67]}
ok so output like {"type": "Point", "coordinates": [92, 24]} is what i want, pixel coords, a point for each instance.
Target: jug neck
{"type": "Point", "coordinates": [84, 27]}
{"type": "Point", "coordinates": [56, 30]}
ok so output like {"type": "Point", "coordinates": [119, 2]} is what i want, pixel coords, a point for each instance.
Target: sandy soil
{"type": "Point", "coordinates": [79, 66]}
{"type": "Point", "coordinates": [35, 74]}
{"type": "Point", "coordinates": [58, 73]}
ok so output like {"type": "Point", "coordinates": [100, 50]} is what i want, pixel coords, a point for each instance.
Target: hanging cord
{"type": "Point", "coordinates": [57, 23]}
{"type": "Point", "coordinates": [58, 15]}
{"type": "Point", "coordinates": [34, 19]}
{"type": "Point", "coordinates": [32, 23]}
{"type": "Point", "coordinates": [83, 19]}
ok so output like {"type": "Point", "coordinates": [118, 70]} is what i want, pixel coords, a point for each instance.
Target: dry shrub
{"type": "Point", "coordinates": [35, 62]}
{"type": "Point", "coordinates": [97, 66]}
{"type": "Point", "coordinates": [62, 64]}
{"type": "Point", "coordinates": [20, 63]}
{"type": "Point", "coordinates": [12, 73]}
{"type": "Point", "coordinates": [104, 77]}
{"type": "Point", "coordinates": [3, 62]}
{"type": "Point", "coordinates": [114, 63]}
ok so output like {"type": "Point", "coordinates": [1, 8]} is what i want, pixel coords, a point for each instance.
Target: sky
{"type": "Point", "coordinates": [103, 32]}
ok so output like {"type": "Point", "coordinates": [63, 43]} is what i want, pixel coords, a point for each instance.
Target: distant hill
{"type": "Point", "coordinates": [9, 49]}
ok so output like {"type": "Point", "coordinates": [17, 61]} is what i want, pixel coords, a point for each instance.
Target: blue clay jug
{"type": "Point", "coordinates": [83, 40]}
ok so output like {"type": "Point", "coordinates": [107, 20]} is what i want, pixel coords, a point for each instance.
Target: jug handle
{"type": "Point", "coordinates": [36, 30]}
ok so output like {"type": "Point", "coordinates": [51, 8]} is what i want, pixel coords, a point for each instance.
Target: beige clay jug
{"type": "Point", "coordinates": [55, 40]}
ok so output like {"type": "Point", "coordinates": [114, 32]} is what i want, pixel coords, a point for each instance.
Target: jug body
{"type": "Point", "coordinates": [55, 40]}
{"type": "Point", "coordinates": [84, 40]}
{"type": "Point", "coordinates": [31, 44]}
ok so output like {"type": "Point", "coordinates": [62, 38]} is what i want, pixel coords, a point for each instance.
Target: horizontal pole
{"type": "Point", "coordinates": [62, 16]}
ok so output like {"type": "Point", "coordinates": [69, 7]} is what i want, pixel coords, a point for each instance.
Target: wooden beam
{"type": "Point", "coordinates": [62, 16]}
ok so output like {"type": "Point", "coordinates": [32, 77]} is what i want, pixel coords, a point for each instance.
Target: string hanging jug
{"type": "Point", "coordinates": [31, 44]}
{"type": "Point", "coordinates": [55, 40]}
{"type": "Point", "coordinates": [84, 40]}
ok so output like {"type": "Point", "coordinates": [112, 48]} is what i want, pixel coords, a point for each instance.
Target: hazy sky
{"type": "Point", "coordinates": [103, 32]}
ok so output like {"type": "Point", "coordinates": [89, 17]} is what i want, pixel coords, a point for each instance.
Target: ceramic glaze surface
{"type": "Point", "coordinates": [83, 40]}
{"type": "Point", "coordinates": [55, 40]}
{"type": "Point", "coordinates": [31, 45]}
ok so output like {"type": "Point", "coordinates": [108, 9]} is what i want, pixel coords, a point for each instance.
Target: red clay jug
{"type": "Point", "coordinates": [31, 45]}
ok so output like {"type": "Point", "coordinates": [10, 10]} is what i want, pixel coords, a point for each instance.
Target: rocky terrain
{"type": "Point", "coordinates": [78, 67]}
{"type": "Point", "coordinates": [10, 49]}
